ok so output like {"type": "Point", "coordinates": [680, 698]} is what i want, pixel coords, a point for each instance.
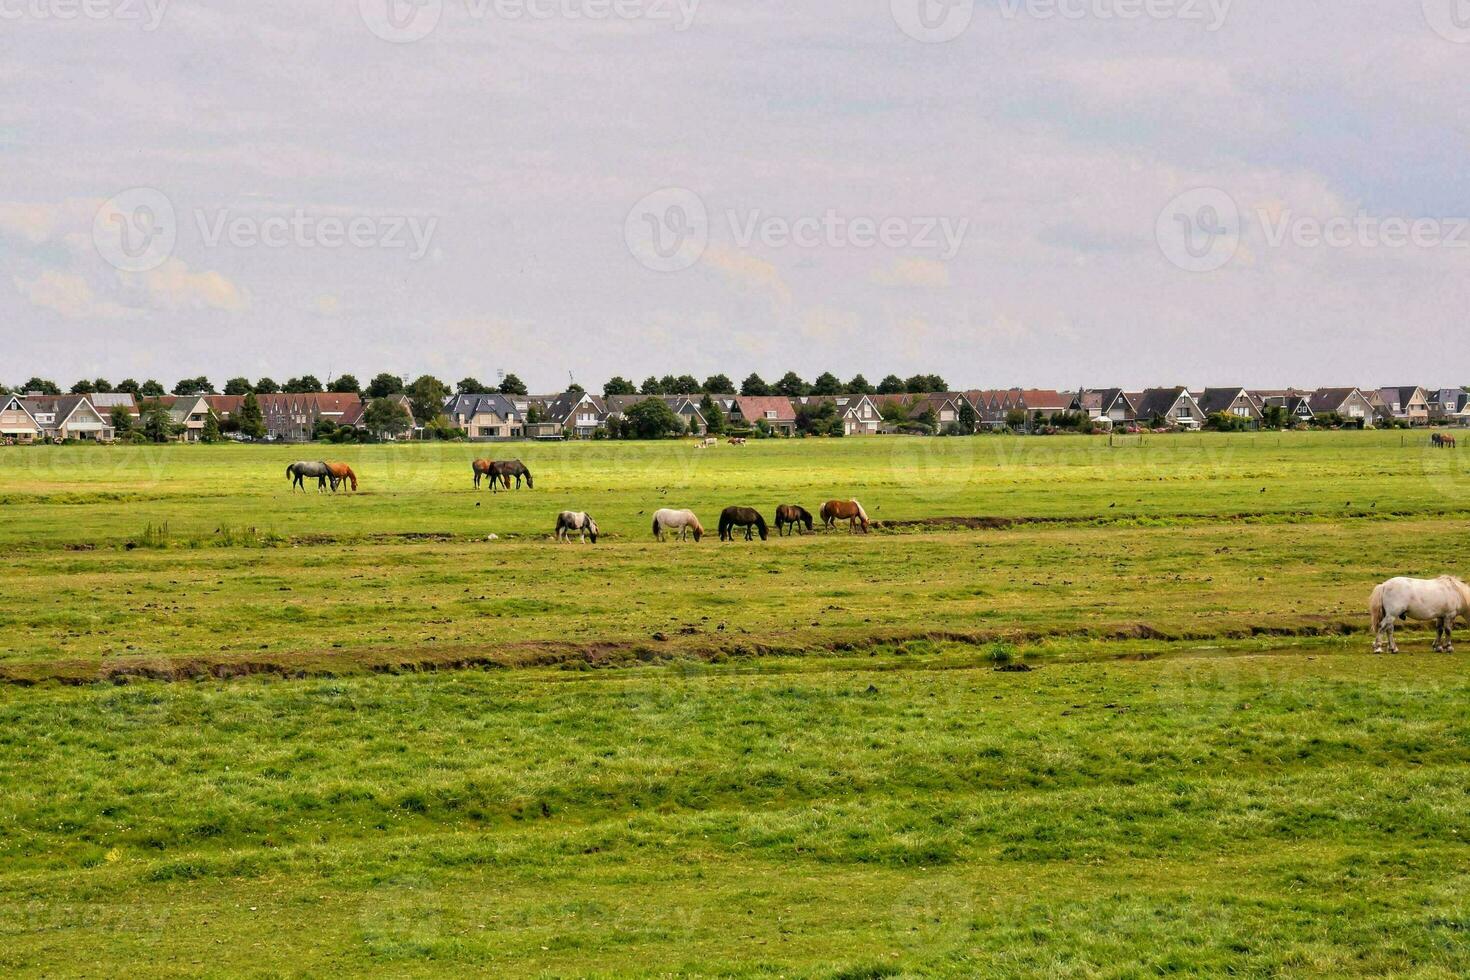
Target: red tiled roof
{"type": "Point", "coordinates": [754, 407]}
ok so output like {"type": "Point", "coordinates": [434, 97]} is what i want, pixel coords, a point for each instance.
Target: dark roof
{"type": "Point", "coordinates": [1329, 399]}
{"type": "Point", "coordinates": [1213, 400]}
{"type": "Point", "coordinates": [1158, 401]}
{"type": "Point", "coordinates": [473, 404]}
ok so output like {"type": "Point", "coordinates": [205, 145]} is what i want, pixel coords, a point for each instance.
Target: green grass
{"type": "Point", "coordinates": [794, 757]}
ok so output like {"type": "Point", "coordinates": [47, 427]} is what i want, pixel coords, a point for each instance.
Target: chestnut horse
{"type": "Point", "coordinates": [483, 467]}
{"type": "Point", "coordinates": [848, 510]}
{"type": "Point", "coordinates": [792, 516]}
{"type": "Point", "coordinates": [340, 473]}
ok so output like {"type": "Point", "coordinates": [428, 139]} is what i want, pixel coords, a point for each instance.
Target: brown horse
{"type": "Point", "coordinates": [746, 517]}
{"type": "Point", "coordinates": [341, 473]}
{"type": "Point", "coordinates": [484, 467]}
{"type": "Point", "coordinates": [505, 469]}
{"type": "Point", "coordinates": [793, 516]}
{"type": "Point", "coordinates": [848, 510]}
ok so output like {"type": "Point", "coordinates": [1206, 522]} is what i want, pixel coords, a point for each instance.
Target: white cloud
{"type": "Point", "coordinates": [68, 295]}
{"type": "Point", "coordinates": [172, 286]}
{"type": "Point", "coordinates": [914, 272]}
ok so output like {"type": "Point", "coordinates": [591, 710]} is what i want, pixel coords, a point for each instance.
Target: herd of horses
{"type": "Point", "coordinates": [1441, 601]}
{"type": "Point", "coordinates": [1442, 441]}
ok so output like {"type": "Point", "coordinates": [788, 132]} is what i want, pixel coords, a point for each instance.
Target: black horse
{"type": "Point", "coordinates": [792, 516]}
{"type": "Point", "coordinates": [746, 517]}
{"type": "Point", "coordinates": [504, 470]}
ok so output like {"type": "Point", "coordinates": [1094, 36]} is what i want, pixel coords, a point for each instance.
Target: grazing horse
{"type": "Point", "coordinates": [298, 472]}
{"type": "Point", "coordinates": [339, 473]}
{"type": "Point", "coordinates": [511, 468]}
{"type": "Point", "coordinates": [682, 521]}
{"type": "Point", "coordinates": [568, 521]}
{"type": "Point", "coordinates": [848, 510]}
{"type": "Point", "coordinates": [737, 440]}
{"type": "Point", "coordinates": [746, 517]}
{"type": "Point", "coordinates": [1440, 601]}
{"type": "Point", "coordinates": [793, 516]}
{"type": "Point", "coordinates": [482, 468]}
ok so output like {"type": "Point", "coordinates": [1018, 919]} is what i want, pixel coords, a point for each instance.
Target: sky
{"type": "Point", "coordinates": [1035, 193]}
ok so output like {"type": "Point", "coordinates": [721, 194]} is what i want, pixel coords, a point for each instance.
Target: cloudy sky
{"type": "Point", "coordinates": [1010, 192]}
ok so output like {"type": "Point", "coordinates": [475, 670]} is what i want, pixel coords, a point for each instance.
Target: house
{"type": "Point", "coordinates": [105, 401]}
{"type": "Point", "coordinates": [859, 413]}
{"type": "Point", "coordinates": [17, 424]}
{"type": "Point", "coordinates": [1235, 402]}
{"type": "Point", "coordinates": [357, 419]}
{"type": "Point", "coordinates": [488, 415]}
{"type": "Point", "coordinates": [1174, 408]}
{"type": "Point", "coordinates": [225, 407]}
{"type": "Point", "coordinates": [578, 413]}
{"type": "Point", "coordinates": [188, 413]}
{"type": "Point", "coordinates": [1445, 404]}
{"type": "Point", "coordinates": [1349, 403]}
{"type": "Point", "coordinates": [775, 410]}
{"type": "Point", "coordinates": [687, 407]}
{"type": "Point", "coordinates": [62, 417]}
{"type": "Point", "coordinates": [1111, 404]}
{"type": "Point", "coordinates": [1406, 404]}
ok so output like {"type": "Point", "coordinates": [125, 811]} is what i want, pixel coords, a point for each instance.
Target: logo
{"type": "Point", "coordinates": [1450, 19]}
{"type": "Point", "coordinates": [668, 230]}
{"type": "Point", "coordinates": [401, 21]}
{"type": "Point", "coordinates": [135, 231]}
{"type": "Point", "coordinates": [933, 21]}
{"type": "Point", "coordinates": [1199, 231]}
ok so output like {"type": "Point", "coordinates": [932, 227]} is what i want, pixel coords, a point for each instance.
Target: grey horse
{"type": "Point", "coordinates": [298, 472]}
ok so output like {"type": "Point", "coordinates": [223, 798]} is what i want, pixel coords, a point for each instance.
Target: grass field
{"type": "Point", "coordinates": [245, 731]}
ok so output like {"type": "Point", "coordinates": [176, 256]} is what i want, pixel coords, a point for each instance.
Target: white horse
{"type": "Point", "coordinates": [1440, 601]}
{"type": "Point", "coordinates": [568, 521]}
{"type": "Point", "coordinates": [682, 521]}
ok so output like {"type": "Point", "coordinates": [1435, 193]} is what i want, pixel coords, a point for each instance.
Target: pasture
{"type": "Point", "coordinates": [245, 730]}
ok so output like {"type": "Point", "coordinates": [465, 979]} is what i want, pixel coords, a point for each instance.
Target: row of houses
{"type": "Point", "coordinates": [580, 415]}
{"type": "Point", "coordinates": [32, 417]}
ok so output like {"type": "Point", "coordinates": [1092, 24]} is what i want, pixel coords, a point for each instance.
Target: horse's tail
{"type": "Point", "coordinates": [289, 474]}
{"type": "Point", "coordinates": [655, 525]}
{"type": "Point", "coordinates": [1375, 608]}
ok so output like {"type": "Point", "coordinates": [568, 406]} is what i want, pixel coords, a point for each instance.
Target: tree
{"type": "Point", "coordinates": [512, 385]}
{"type": "Point", "coordinates": [40, 386]}
{"type": "Point", "coordinates": [211, 431]}
{"type": "Point", "coordinates": [469, 386]}
{"type": "Point", "coordinates": [816, 418]}
{"type": "Point", "coordinates": [385, 384]}
{"type": "Point", "coordinates": [304, 385]}
{"type": "Point", "coordinates": [1273, 417]}
{"type": "Point", "coordinates": [576, 388]}
{"type": "Point", "coordinates": [101, 384]}
{"type": "Point", "coordinates": [151, 389]}
{"type": "Point", "coordinates": [826, 384]}
{"type": "Point", "coordinates": [345, 384]}
{"type": "Point", "coordinates": [267, 386]}
{"type": "Point", "coordinates": [386, 417]}
{"type": "Point", "coordinates": [859, 385]}
{"type": "Point", "coordinates": [193, 386]}
{"type": "Point", "coordinates": [968, 419]}
{"type": "Point", "coordinates": [252, 422]}
{"type": "Point", "coordinates": [685, 384]}
{"type": "Point", "coordinates": [83, 387]}
{"type": "Point", "coordinates": [714, 418]}
{"type": "Point", "coordinates": [128, 385]}
{"type": "Point", "coordinates": [238, 386]}
{"type": "Point", "coordinates": [719, 384]}
{"type": "Point", "coordinates": [122, 421]}
{"type": "Point", "coordinates": [753, 386]}
{"type": "Point", "coordinates": [618, 385]}
{"type": "Point", "coordinates": [923, 384]}
{"type": "Point", "coordinates": [652, 418]}
{"type": "Point", "coordinates": [158, 424]}
{"type": "Point", "coordinates": [791, 386]}
{"type": "Point", "coordinates": [651, 386]}
{"type": "Point", "coordinates": [891, 385]}
{"type": "Point", "coordinates": [427, 395]}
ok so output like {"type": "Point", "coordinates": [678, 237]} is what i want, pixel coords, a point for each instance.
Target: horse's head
{"type": "Point", "coordinates": [530, 485]}
{"type": "Point", "coordinates": [697, 529]}
{"type": "Point", "coordinates": [591, 527]}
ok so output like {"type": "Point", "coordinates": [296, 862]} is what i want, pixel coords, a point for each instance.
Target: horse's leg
{"type": "Point", "coordinates": [1389, 623]}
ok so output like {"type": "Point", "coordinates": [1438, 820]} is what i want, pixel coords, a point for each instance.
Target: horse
{"type": "Point", "coordinates": [481, 468]}
{"type": "Point", "coordinates": [1442, 441]}
{"type": "Point", "coordinates": [1440, 601]}
{"type": "Point", "coordinates": [568, 521]}
{"type": "Point", "coordinates": [746, 517]}
{"type": "Point", "coordinates": [737, 440]}
{"type": "Point", "coordinates": [299, 471]}
{"type": "Point", "coordinates": [682, 521]}
{"type": "Point", "coordinates": [849, 510]}
{"type": "Point", "coordinates": [339, 473]}
{"type": "Point", "coordinates": [511, 468]}
{"type": "Point", "coordinates": [792, 515]}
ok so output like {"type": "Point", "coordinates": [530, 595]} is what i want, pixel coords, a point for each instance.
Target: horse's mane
{"type": "Point", "coordinates": [861, 513]}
